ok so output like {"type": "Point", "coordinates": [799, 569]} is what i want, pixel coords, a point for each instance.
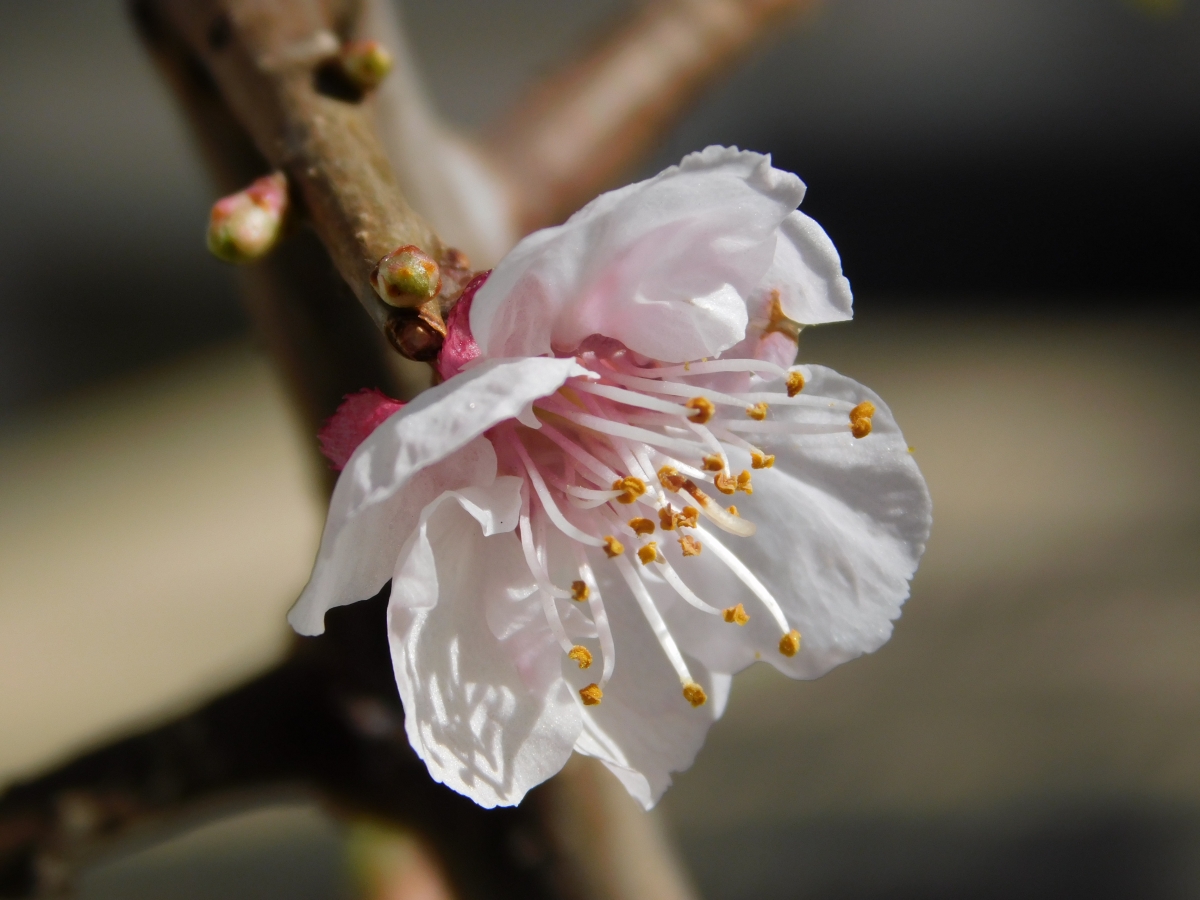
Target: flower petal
{"type": "Point", "coordinates": [842, 523]}
{"type": "Point", "coordinates": [664, 266]}
{"type": "Point", "coordinates": [807, 272]}
{"type": "Point", "coordinates": [406, 462]}
{"type": "Point", "coordinates": [483, 727]}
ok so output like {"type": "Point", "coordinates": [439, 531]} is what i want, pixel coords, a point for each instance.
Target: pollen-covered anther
{"type": "Point", "coordinates": [641, 526]}
{"type": "Point", "coordinates": [670, 478]}
{"type": "Point", "coordinates": [631, 488]}
{"type": "Point", "coordinates": [580, 591]}
{"type": "Point", "coordinates": [757, 412]}
{"type": "Point", "coordinates": [713, 463]}
{"type": "Point", "coordinates": [860, 419]}
{"type": "Point", "coordinates": [789, 644]}
{"type": "Point", "coordinates": [726, 484]}
{"type": "Point", "coordinates": [592, 695]}
{"type": "Point", "coordinates": [581, 655]}
{"type": "Point", "coordinates": [760, 460]}
{"type": "Point", "coordinates": [690, 546]}
{"type": "Point", "coordinates": [667, 517]}
{"type": "Point", "coordinates": [703, 409]}
{"type": "Point", "coordinates": [735, 615]}
{"type": "Point", "coordinates": [648, 553]}
{"type": "Point", "coordinates": [743, 483]}
{"type": "Point", "coordinates": [795, 383]}
{"type": "Point", "coordinates": [694, 694]}
{"type": "Point", "coordinates": [689, 517]}
{"type": "Point", "coordinates": [613, 547]}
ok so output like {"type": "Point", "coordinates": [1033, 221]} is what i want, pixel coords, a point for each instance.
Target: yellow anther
{"type": "Point", "coordinates": [670, 478]}
{"type": "Point", "coordinates": [760, 460]}
{"type": "Point", "coordinates": [703, 409]}
{"type": "Point", "coordinates": [736, 615]}
{"type": "Point", "coordinates": [580, 591]}
{"type": "Point", "coordinates": [713, 463]}
{"type": "Point", "coordinates": [592, 695]}
{"type": "Point", "coordinates": [690, 546]}
{"type": "Point", "coordinates": [758, 411]}
{"type": "Point", "coordinates": [795, 383]}
{"type": "Point", "coordinates": [689, 517]}
{"type": "Point", "coordinates": [613, 547]}
{"type": "Point", "coordinates": [583, 655]}
{"type": "Point", "coordinates": [641, 526]}
{"type": "Point", "coordinates": [743, 483]}
{"type": "Point", "coordinates": [694, 694]}
{"type": "Point", "coordinates": [726, 484]}
{"type": "Point", "coordinates": [666, 518]}
{"type": "Point", "coordinates": [648, 552]}
{"type": "Point", "coordinates": [860, 419]}
{"type": "Point", "coordinates": [789, 644]}
{"type": "Point", "coordinates": [632, 488]}
{"type": "Point", "coordinates": [732, 510]}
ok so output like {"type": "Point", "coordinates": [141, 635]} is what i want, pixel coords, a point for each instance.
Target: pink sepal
{"type": "Point", "coordinates": [459, 347]}
{"type": "Point", "coordinates": [355, 419]}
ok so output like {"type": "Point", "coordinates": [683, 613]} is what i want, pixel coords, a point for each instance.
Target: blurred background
{"type": "Point", "coordinates": [1013, 187]}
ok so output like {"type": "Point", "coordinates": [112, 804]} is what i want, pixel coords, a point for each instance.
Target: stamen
{"type": "Point", "coordinates": [670, 478]}
{"type": "Point", "coordinates": [860, 419]}
{"type": "Point", "coordinates": [713, 463]}
{"type": "Point", "coordinates": [710, 367]}
{"type": "Point", "coordinates": [795, 383]}
{"type": "Point", "coordinates": [655, 620]}
{"type": "Point", "coordinates": [689, 517]}
{"type": "Point", "coordinates": [631, 398]}
{"type": "Point", "coordinates": [694, 694]}
{"type": "Point", "coordinates": [760, 460]}
{"type": "Point", "coordinates": [648, 552]}
{"type": "Point", "coordinates": [704, 409]}
{"type": "Point", "coordinates": [736, 615]}
{"type": "Point", "coordinates": [690, 546]}
{"type": "Point", "coordinates": [631, 489]}
{"type": "Point", "coordinates": [641, 526]}
{"type": "Point", "coordinates": [789, 644]}
{"type": "Point", "coordinates": [579, 591]}
{"type": "Point", "coordinates": [589, 462]}
{"type": "Point", "coordinates": [599, 616]}
{"type": "Point", "coordinates": [743, 482]}
{"type": "Point", "coordinates": [717, 515]}
{"type": "Point", "coordinates": [726, 484]}
{"type": "Point", "coordinates": [581, 655]}
{"type": "Point", "coordinates": [666, 518]}
{"type": "Point", "coordinates": [620, 429]}
{"type": "Point", "coordinates": [672, 578]}
{"type": "Point", "coordinates": [758, 411]}
{"type": "Point", "coordinates": [613, 547]}
{"type": "Point", "coordinates": [548, 503]}
{"type": "Point", "coordinates": [747, 578]}
{"type": "Point", "coordinates": [592, 695]}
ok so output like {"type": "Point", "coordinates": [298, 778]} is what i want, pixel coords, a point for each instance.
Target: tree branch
{"type": "Point", "coordinates": [581, 129]}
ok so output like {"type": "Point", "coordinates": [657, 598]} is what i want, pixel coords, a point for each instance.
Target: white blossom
{"type": "Point", "coordinates": [568, 572]}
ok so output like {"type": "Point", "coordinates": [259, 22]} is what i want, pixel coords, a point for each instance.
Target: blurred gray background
{"type": "Point", "coordinates": [1013, 187]}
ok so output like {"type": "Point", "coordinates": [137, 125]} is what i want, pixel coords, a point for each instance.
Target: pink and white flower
{"type": "Point", "coordinates": [567, 571]}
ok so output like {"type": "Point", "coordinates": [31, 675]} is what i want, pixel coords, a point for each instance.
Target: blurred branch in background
{"type": "Point", "coordinates": [248, 72]}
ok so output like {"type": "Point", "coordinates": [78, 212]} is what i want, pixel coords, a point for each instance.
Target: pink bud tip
{"type": "Point", "coordinates": [459, 347]}
{"type": "Point", "coordinates": [355, 419]}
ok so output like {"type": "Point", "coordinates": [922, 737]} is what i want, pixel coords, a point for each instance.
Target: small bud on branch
{"type": "Point", "coordinates": [245, 226]}
{"type": "Point", "coordinates": [365, 63]}
{"type": "Point", "coordinates": [406, 277]}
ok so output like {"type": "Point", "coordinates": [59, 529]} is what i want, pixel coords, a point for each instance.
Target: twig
{"type": "Point", "coordinates": [582, 128]}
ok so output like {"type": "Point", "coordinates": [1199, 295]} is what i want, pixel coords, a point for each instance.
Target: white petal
{"type": "Point", "coordinates": [643, 729]}
{"type": "Point", "coordinates": [484, 727]}
{"type": "Point", "coordinates": [665, 266]}
{"type": "Point", "coordinates": [807, 272]}
{"type": "Point", "coordinates": [370, 517]}
{"type": "Point", "coordinates": [842, 524]}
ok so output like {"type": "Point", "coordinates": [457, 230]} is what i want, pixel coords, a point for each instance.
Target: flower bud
{"type": "Point", "coordinates": [406, 277]}
{"type": "Point", "coordinates": [365, 63]}
{"type": "Point", "coordinates": [414, 338]}
{"type": "Point", "coordinates": [245, 226]}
